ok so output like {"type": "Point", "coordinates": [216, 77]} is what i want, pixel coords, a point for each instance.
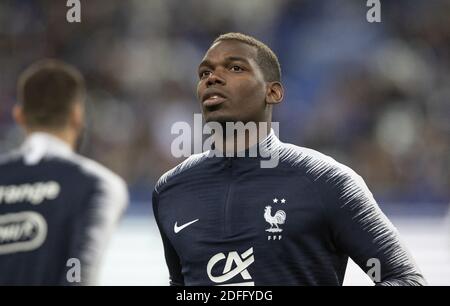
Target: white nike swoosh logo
{"type": "Point", "coordinates": [177, 228]}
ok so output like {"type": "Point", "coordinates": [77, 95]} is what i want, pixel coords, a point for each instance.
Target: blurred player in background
{"type": "Point", "coordinates": [57, 208]}
{"type": "Point", "coordinates": [228, 221]}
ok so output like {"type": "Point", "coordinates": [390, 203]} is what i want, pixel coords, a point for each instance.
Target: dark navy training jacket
{"type": "Point", "coordinates": [228, 221]}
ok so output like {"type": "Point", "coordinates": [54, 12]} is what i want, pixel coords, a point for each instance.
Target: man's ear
{"type": "Point", "coordinates": [77, 116]}
{"type": "Point", "coordinates": [274, 93]}
{"type": "Point", "coordinates": [19, 117]}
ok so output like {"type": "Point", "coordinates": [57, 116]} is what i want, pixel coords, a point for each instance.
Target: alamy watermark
{"type": "Point", "coordinates": [182, 145]}
{"type": "Point", "coordinates": [73, 274]}
{"type": "Point", "coordinates": [374, 13]}
{"type": "Point", "coordinates": [375, 269]}
{"type": "Point", "coordinates": [74, 11]}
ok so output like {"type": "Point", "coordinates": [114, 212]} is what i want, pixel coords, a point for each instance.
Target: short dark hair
{"type": "Point", "coordinates": [47, 91]}
{"type": "Point", "coordinates": [266, 58]}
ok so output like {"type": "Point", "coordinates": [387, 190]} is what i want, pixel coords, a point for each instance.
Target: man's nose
{"type": "Point", "coordinates": [214, 79]}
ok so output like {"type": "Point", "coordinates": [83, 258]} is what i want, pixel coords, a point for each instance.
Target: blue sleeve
{"type": "Point", "coordinates": [92, 226]}
{"type": "Point", "coordinates": [361, 230]}
{"type": "Point", "coordinates": [171, 256]}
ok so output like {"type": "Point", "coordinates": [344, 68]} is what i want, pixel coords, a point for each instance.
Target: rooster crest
{"type": "Point", "coordinates": [278, 218]}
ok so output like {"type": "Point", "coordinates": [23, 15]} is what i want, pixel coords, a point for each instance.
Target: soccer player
{"type": "Point", "coordinates": [229, 221]}
{"type": "Point", "coordinates": [57, 208]}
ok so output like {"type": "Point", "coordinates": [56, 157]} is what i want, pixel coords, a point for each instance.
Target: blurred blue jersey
{"type": "Point", "coordinates": [54, 205]}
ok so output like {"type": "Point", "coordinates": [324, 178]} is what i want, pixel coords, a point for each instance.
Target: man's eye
{"type": "Point", "coordinates": [204, 74]}
{"type": "Point", "coordinates": [236, 69]}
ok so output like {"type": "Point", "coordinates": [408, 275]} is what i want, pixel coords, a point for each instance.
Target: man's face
{"type": "Point", "coordinates": [231, 85]}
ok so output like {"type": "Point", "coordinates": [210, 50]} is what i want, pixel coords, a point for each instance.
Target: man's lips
{"type": "Point", "coordinates": [213, 100]}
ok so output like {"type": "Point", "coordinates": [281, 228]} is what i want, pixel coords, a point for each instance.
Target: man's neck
{"type": "Point", "coordinates": [241, 141]}
{"type": "Point", "coordinates": [65, 135]}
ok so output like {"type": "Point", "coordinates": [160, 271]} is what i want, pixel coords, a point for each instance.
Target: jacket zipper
{"type": "Point", "coordinates": [229, 194]}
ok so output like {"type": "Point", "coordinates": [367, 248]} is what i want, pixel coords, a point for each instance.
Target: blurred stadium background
{"type": "Point", "coordinates": [374, 96]}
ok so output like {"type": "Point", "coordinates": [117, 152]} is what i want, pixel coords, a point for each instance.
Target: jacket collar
{"type": "Point", "coordinates": [264, 148]}
{"type": "Point", "coordinates": [39, 144]}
